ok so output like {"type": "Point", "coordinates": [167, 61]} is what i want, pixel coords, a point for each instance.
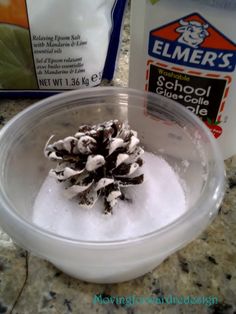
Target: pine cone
{"type": "Point", "coordinates": [98, 160]}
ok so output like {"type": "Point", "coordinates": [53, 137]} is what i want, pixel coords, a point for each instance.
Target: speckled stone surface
{"type": "Point", "coordinates": [206, 267]}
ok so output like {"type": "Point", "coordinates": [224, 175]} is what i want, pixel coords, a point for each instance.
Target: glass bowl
{"type": "Point", "coordinates": [165, 128]}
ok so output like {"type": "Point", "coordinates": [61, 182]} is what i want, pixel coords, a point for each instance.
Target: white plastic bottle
{"type": "Point", "coordinates": [185, 50]}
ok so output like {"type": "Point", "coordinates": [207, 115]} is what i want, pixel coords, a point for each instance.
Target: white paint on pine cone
{"type": "Point", "coordinates": [113, 195]}
{"type": "Point", "coordinates": [114, 144]}
{"type": "Point", "coordinates": [103, 182]}
{"type": "Point", "coordinates": [137, 153]}
{"type": "Point", "coordinates": [121, 158]}
{"type": "Point", "coordinates": [94, 162]}
{"type": "Point", "coordinates": [133, 168]}
{"type": "Point", "coordinates": [85, 144]}
{"type": "Point", "coordinates": [67, 143]}
{"type": "Point", "coordinates": [75, 190]}
{"type": "Point", "coordinates": [79, 134]}
{"type": "Point", "coordinates": [134, 141]}
{"type": "Point", "coordinates": [68, 172]}
{"type": "Point", "coordinates": [53, 156]}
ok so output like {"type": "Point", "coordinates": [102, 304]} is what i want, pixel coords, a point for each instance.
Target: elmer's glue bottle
{"type": "Point", "coordinates": [185, 50]}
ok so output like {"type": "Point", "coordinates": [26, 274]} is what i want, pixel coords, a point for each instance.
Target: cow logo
{"type": "Point", "coordinates": [193, 33]}
{"type": "Point", "coordinates": [194, 42]}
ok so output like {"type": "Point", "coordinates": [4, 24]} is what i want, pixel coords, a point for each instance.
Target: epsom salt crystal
{"type": "Point", "coordinates": [155, 203]}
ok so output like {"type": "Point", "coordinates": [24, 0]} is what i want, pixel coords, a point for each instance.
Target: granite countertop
{"type": "Point", "coordinates": [206, 267]}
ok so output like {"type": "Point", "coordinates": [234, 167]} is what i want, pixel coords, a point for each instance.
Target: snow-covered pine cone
{"type": "Point", "coordinates": [99, 160]}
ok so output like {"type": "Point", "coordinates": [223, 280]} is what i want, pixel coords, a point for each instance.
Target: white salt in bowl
{"type": "Point", "coordinates": [165, 128]}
